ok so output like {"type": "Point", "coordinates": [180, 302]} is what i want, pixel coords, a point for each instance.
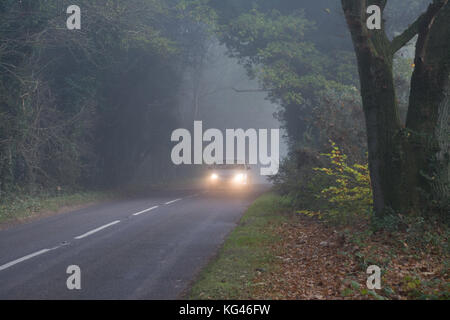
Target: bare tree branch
{"type": "Point", "coordinates": [251, 90]}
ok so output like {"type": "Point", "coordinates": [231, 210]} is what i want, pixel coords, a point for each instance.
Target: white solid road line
{"type": "Point", "coordinates": [170, 202]}
{"type": "Point", "coordinates": [32, 255]}
{"type": "Point", "coordinates": [96, 230]}
{"type": "Point", "coordinates": [144, 211]}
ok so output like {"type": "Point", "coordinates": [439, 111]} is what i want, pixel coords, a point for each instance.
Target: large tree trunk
{"type": "Point", "coordinates": [403, 161]}
{"type": "Point", "coordinates": [375, 61]}
{"type": "Point", "coordinates": [428, 112]}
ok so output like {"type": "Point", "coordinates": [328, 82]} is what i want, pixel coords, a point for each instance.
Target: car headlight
{"type": "Point", "coordinates": [239, 178]}
{"type": "Point", "coordinates": [214, 176]}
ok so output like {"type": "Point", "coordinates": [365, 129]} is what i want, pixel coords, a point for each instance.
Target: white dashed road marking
{"type": "Point", "coordinates": [144, 211]}
{"type": "Point", "coordinates": [170, 202]}
{"type": "Point", "coordinates": [40, 252]}
{"type": "Point", "coordinates": [96, 230]}
{"type": "Point", "coordinates": [27, 257]}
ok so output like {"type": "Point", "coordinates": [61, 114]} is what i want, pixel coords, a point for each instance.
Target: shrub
{"type": "Point", "coordinates": [297, 181]}
{"type": "Point", "coordinates": [349, 196]}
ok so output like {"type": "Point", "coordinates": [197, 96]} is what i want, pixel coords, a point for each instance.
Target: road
{"type": "Point", "coordinates": [152, 247]}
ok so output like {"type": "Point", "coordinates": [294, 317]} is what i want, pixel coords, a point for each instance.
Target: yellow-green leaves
{"type": "Point", "coordinates": [351, 195]}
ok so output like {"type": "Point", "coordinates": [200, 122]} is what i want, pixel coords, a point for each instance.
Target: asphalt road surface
{"type": "Point", "coordinates": [147, 248]}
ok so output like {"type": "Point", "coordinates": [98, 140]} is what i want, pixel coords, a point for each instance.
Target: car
{"type": "Point", "coordinates": [229, 176]}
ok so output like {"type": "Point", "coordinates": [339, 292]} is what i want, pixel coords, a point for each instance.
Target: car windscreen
{"type": "Point", "coordinates": [229, 167]}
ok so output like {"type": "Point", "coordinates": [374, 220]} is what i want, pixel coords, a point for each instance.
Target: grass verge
{"type": "Point", "coordinates": [245, 254]}
{"type": "Point", "coordinates": [19, 208]}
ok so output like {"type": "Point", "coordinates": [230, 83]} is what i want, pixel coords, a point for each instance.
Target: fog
{"type": "Point", "coordinates": [226, 98]}
{"type": "Point", "coordinates": [316, 130]}
{"type": "Point", "coordinates": [92, 101]}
